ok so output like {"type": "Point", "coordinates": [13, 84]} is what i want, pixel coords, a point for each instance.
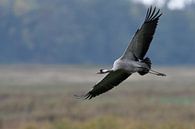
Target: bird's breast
{"type": "Point", "coordinates": [129, 66]}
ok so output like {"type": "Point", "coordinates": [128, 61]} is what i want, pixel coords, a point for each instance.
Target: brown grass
{"type": "Point", "coordinates": [34, 97]}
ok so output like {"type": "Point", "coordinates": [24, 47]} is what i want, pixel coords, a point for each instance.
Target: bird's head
{"type": "Point", "coordinates": [102, 71]}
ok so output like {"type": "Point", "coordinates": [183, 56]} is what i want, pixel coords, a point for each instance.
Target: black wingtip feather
{"type": "Point", "coordinates": [157, 15]}
{"type": "Point", "coordinates": [152, 14]}
{"type": "Point", "coordinates": [79, 96]}
{"type": "Point", "coordinates": [85, 96]}
{"type": "Point", "coordinates": [89, 96]}
{"type": "Point", "coordinates": [148, 13]}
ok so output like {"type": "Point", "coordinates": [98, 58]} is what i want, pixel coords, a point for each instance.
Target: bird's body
{"type": "Point", "coordinates": [130, 66]}
{"type": "Point", "coordinates": [132, 59]}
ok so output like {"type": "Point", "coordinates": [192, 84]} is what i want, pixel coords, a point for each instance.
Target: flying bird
{"type": "Point", "coordinates": [133, 59]}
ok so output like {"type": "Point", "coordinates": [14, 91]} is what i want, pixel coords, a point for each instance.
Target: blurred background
{"type": "Point", "coordinates": [51, 50]}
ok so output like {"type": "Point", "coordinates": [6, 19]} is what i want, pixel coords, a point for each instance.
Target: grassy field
{"type": "Point", "coordinates": [42, 97]}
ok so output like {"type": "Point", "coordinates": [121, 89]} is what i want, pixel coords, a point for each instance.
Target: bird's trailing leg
{"type": "Point", "coordinates": [156, 73]}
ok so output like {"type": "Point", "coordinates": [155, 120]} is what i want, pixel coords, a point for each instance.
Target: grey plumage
{"type": "Point", "coordinates": [132, 59]}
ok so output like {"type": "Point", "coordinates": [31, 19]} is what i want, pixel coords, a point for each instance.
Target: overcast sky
{"type": "Point", "coordinates": [171, 4]}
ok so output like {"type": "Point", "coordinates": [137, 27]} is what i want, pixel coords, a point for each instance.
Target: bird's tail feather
{"type": "Point", "coordinates": [149, 63]}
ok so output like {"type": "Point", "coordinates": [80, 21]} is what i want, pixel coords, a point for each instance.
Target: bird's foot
{"type": "Point", "coordinates": [157, 73]}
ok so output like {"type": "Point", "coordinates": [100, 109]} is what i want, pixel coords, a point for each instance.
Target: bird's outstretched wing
{"type": "Point", "coordinates": [141, 41]}
{"type": "Point", "coordinates": [111, 80]}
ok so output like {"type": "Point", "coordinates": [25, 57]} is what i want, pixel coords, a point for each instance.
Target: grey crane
{"type": "Point", "coordinates": [132, 59]}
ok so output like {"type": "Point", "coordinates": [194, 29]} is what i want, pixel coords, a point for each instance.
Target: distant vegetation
{"type": "Point", "coordinates": [88, 32]}
{"type": "Point", "coordinates": [41, 97]}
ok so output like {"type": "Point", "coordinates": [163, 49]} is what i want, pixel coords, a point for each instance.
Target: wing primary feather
{"type": "Point", "coordinates": [148, 13]}
{"type": "Point", "coordinates": [153, 16]}
{"type": "Point", "coordinates": [152, 13]}
{"type": "Point", "coordinates": [157, 15]}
